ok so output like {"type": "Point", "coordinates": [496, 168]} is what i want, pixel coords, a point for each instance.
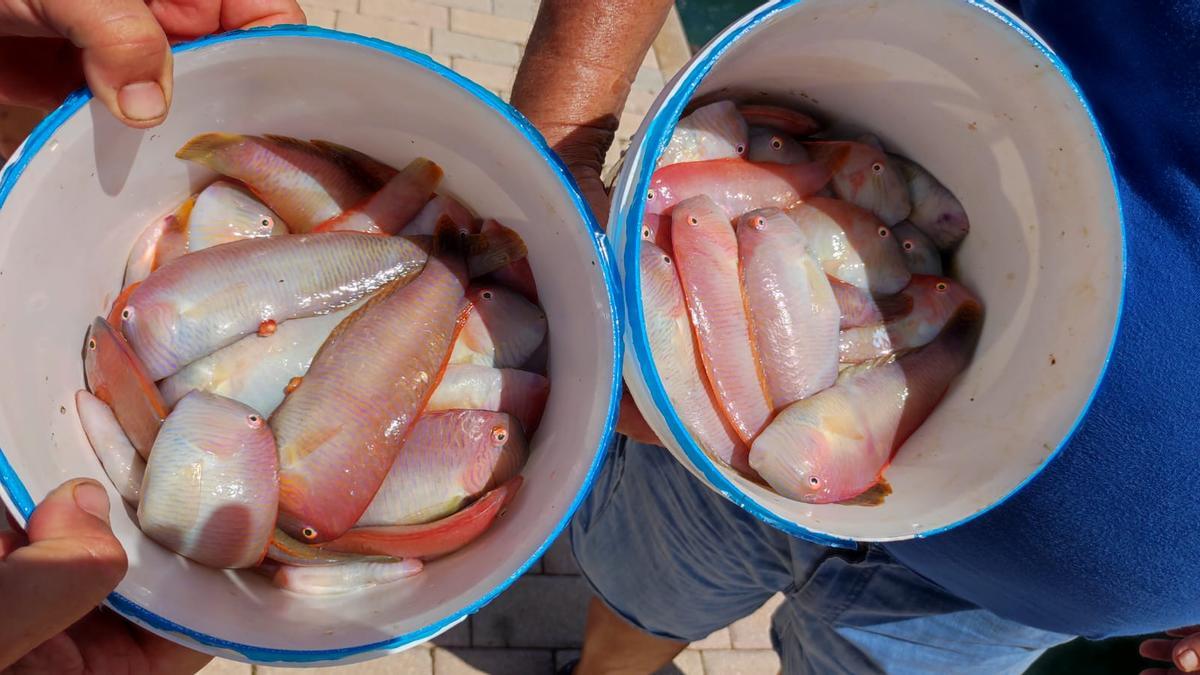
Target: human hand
{"type": "Point", "coordinates": [52, 582]}
{"type": "Point", "coordinates": [1183, 650]}
{"type": "Point", "coordinates": [121, 48]}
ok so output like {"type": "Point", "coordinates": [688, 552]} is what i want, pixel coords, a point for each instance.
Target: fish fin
{"type": "Point", "coordinates": [202, 148]}
{"type": "Point", "coordinates": [183, 214]}
{"type": "Point", "coordinates": [877, 362]}
{"type": "Point", "coordinates": [377, 173]}
{"type": "Point", "coordinates": [873, 496]}
{"type": "Point", "coordinates": [493, 250]}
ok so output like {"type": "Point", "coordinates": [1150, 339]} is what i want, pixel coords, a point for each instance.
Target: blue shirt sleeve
{"type": "Point", "coordinates": [1106, 541]}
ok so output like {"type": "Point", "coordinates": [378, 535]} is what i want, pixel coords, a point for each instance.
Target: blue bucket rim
{"type": "Point", "coordinates": [19, 496]}
{"type": "Point", "coordinates": [656, 134]}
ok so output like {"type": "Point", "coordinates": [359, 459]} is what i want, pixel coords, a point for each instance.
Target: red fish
{"type": "Point", "coordinates": [394, 205]}
{"type": "Point", "coordinates": [737, 186]}
{"type": "Point", "coordinates": [116, 376]}
{"type": "Point", "coordinates": [933, 300]}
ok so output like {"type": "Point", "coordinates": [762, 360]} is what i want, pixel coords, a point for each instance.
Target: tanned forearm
{"type": "Point", "coordinates": [579, 65]}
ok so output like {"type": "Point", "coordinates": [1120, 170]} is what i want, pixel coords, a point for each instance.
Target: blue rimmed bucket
{"type": "Point", "coordinates": [968, 91]}
{"type": "Point", "coordinates": [79, 191]}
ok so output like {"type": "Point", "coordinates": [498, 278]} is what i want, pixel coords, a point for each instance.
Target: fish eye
{"type": "Point", "coordinates": [667, 259]}
{"type": "Point", "coordinates": [254, 420]}
{"type": "Point", "coordinates": [645, 233]}
{"type": "Point", "coordinates": [877, 167]}
{"type": "Point", "coordinates": [883, 232]}
{"type": "Point", "coordinates": [693, 220]}
{"type": "Point", "coordinates": [127, 313]}
{"type": "Point", "coordinates": [941, 286]}
{"type": "Point", "coordinates": [499, 434]}
{"type": "Point", "coordinates": [908, 246]}
{"type": "Point", "coordinates": [309, 533]}
{"type": "Point", "coordinates": [92, 344]}
{"type": "Point", "coordinates": [486, 295]}
{"type": "Point", "coordinates": [740, 149]}
{"type": "Point", "coordinates": [649, 195]}
{"type": "Point", "coordinates": [760, 223]}
{"type": "Point", "coordinates": [814, 481]}
{"type": "Point", "coordinates": [267, 222]}
{"type": "Point", "coordinates": [776, 143]}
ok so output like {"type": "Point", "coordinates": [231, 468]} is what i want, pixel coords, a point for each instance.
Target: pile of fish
{"type": "Point", "coordinates": [317, 367]}
{"type": "Point", "coordinates": [795, 299]}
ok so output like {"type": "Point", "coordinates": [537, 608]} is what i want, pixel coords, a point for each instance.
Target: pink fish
{"type": "Point", "coordinates": [373, 173]}
{"type": "Point", "coordinates": [517, 275]}
{"type": "Point", "coordinates": [117, 377]}
{"type": "Point", "coordinates": [471, 387]}
{"type": "Point", "coordinates": [431, 540]}
{"type": "Point", "coordinates": [496, 247]}
{"type": "Point", "coordinates": [864, 176]}
{"type": "Point", "coordinates": [344, 577]}
{"type": "Point", "coordinates": [933, 301]}
{"type": "Point", "coordinates": [769, 145]}
{"type": "Point", "coordinates": [853, 245]}
{"type": "Point", "coordinates": [919, 251]}
{"type": "Point", "coordinates": [394, 205]}
{"type": "Point", "coordinates": [935, 210]}
{"type": "Point", "coordinates": [450, 458]}
{"type": "Point", "coordinates": [503, 329]}
{"type": "Point", "coordinates": [340, 428]}
{"type": "Point", "coordinates": [211, 486]}
{"type": "Point", "coordinates": [441, 208]}
{"type": "Point", "coordinates": [835, 445]}
{"type": "Point", "coordinates": [121, 462]}
{"type": "Point", "coordinates": [782, 119]}
{"type": "Point", "coordinates": [706, 253]}
{"type": "Point", "coordinates": [714, 131]}
{"type": "Point", "coordinates": [736, 186]}
{"type": "Point", "coordinates": [793, 312]}
{"type": "Point", "coordinates": [860, 308]}
{"type": "Point", "coordinates": [673, 345]}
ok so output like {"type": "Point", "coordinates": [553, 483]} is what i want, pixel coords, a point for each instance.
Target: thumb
{"type": "Point", "coordinates": [71, 563]}
{"type": "Point", "coordinates": [126, 57]}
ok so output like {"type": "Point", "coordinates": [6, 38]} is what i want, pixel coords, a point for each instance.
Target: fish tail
{"type": "Point", "coordinates": [204, 147]}
{"type": "Point", "coordinates": [423, 171]}
{"type": "Point", "coordinates": [375, 172]}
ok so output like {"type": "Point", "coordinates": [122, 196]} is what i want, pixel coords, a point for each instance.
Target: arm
{"type": "Point", "coordinates": [579, 65]}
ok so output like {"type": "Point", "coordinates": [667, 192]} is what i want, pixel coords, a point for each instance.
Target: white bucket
{"type": "Point", "coordinates": [81, 189]}
{"type": "Point", "coordinates": [969, 92]}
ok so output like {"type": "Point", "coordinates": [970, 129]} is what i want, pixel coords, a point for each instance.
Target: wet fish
{"type": "Point", "coordinates": [715, 131]}
{"type": "Point", "coordinates": [835, 445]}
{"type": "Point", "coordinates": [340, 429]}
{"type": "Point", "coordinates": [256, 369]}
{"type": "Point", "coordinates": [431, 540]}
{"type": "Point", "coordinates": [121, 462]}
{"type": "Point", "coordinates": [921, 255]}
{"type": "Point", "coordinates": [211, 485]}
{"type": "Point", "coordinates": [853, 245]}
{"type": "Point", "coordinates": [866, 177]}
{"type": "Point", "coordinates": [793, 312]}
{"type": "Point", "coordinates": [860, 308]}
{"type": "Point", "coordinates": [934, 300]}
{"type": "Point", "coordinates": [343, 577]}
{"type": "Point", "coordinates": [298, 180]}
{"type": "Point", "coordinates": [449, 458]}
{"type": "Point", "coordinates": [441, 208]}
{"type": "Point", "coordinates": [141, 257]}
{"type": "Point", "coordinates": [657, 228]}
{"type": "Point", "coordinates": [116, 376]}
{"type": "Point", "coordinates": [706, 254]}
{"type": "Point", "coordinates": [769, 145]}
{"type": "Point", "coordinates": [470, 387]}
{"type": "Point", "coordinates": [212, 298]}
{"type": "Point", "coordinates": [782, 119]}
{"type": "Point", "coordinates": [677, 360]}
{"type": "Point", "coordinates": [517, 275]}
{"type": "Point", "coordinates": [285, 550]}
{"type": "Point", "coordinates": [737, 186]}
{"type": "Point", "coordinates": [373, 172]}
{"type": "Point", "coordinates": [493, 249]}
{"type": "Point", "coordinates": [394, 205]}
{"type": "Point", "coordinates": [225, 212]}
{"type": "Point", "coordinates": [935, 210]}
{"type": "Point", "coordinates": [502, 331]}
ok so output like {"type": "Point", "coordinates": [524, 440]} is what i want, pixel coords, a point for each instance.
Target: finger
{"type": "Point", "coordinates": [251, 13]}
{"type": "Point", "coordinates": [164, 655]}
{"type": "Point", "coordinates": [1183, 632]}
{"type": "Point", "coordinates": [9, 542]}
{"type": "Point", "coordinates": [1186, 654]}
{"type": "Point", "coordinates": [72, 562]}
{"type": "Point", "coordinates": [1159, 650]}
{"type": "Point", "coordinates": [126, 57]}
{"type": "Point", "coordinates": [187, 19]}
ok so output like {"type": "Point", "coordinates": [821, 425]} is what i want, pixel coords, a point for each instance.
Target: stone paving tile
{"type": "Point", "coordinates": [559, 558]}
{"type": "Point", "coordinates": [459, 636]}
{"type": "Point", "coordinates": [319, 16]}
{"type": "Point", "coordinates": [516, 9]}
{"type": "Point", "coordinates": [741, 662]}
{"type": "Point", "coordinates": [754, 631]}
{"type": "Point", "coordinates": [489, 75]}
{"type": "Point", "coordinates": [717, 640]}
{"type": "Point", "coordinates": [490, 26]}
{"type": "Point", "coordinates": [343, 5]}
{"type": "Point", "coordinates": [408, 11]}
{"type": "Point", "coordinates": [477, 5]}
{"type": "Point", "coordinates": [404, 34]}
{"type": "Point", "coordinates": [413, 661]}
{"type": "Point", "coordinates": [538, 611]}
{"type": "Point", "coordinates": [493, 661]}
{"type": "Point", "coordinates": [226, 667]}
{"type": "Point", "coordinates": [689, 662]}
{"type": "Point", "coordinates": [475, 48]}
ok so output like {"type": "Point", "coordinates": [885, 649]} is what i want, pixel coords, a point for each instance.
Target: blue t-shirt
{"type": "Point", "coordinates": [1106, 541]}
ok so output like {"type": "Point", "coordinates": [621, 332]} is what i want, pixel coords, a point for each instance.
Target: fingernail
{"type": "Point", "coordinates": [92, 498]}
{"type": "Point", "coordinates": [1187, 660]}
{"type": "Point", "coordinates": [142, 101]}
